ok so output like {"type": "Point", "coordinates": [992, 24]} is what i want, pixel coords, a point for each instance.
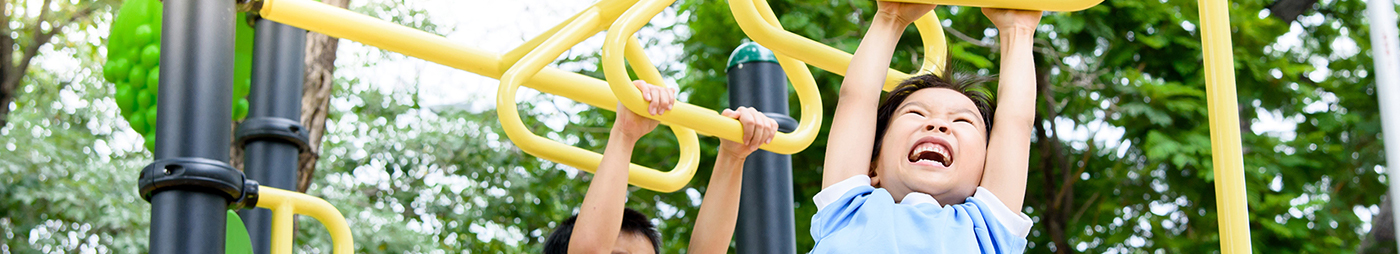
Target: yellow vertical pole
{"type": "Point", "coordinates": [1224, 127]}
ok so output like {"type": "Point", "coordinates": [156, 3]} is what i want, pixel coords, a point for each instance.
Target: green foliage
{"type": "Point", "coordinates": [68, 166]}
{"type": "Point", "coordinates": [1120, 163]}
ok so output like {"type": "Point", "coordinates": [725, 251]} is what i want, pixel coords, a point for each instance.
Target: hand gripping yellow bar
{"type": "Point", "coordinates": [619, 41]}
{"type": "Point", "coordinates": [757, 20]}
{"type": "Point", "coordinates": [1042, 5]}
{"type": "Point", "coordinates": [574, 32]}
{"type": "Point", "coordinates": [285, 203]}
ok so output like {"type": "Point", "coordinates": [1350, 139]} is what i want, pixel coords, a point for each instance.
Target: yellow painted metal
{"type": "Point", "coordinates": [619, 44]}
{"type": "Point", "coordinates": [285, 203]}
{"type": "Point", "coordinates": [345, 24]}
{"type": "Point", "coordinates": [1042, 5]}
{"type": "Point", "coordinates": [757, 20]}
{"type": "Point", "coordinates": [1226, 154]}
{"type": "Point", "coordinates": [573, 33]}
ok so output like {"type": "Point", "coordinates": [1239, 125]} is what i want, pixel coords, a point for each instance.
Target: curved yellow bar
{"type": "Point", "coordinates": [573, 33]}
{"type": "Point", "coordinates": [619, 41]}
{"type": "Point", "coordinates": [935, 48]}
{"type": "Point", "coordinates": [284, 203]}
{"type": "Point", "coordinates": [756, 18]}
{"type": "Point", "coordinates": [341, 23]}
{"type": "Point", "coordinates": [1040, 5]}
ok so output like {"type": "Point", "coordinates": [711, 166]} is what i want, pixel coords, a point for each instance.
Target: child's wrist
{"type": "Point", "coordinates": [889, 20]}
{"type": "Point", "coordinates": [1017, 30]}
{"type": "Point", "coordinates": [1017, 35]}
{"type": "Point", "coordinates": [624, 135]}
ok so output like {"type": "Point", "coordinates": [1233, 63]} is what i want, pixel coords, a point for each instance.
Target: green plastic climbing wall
{"type": "Point", "coordinates": [133, 64]}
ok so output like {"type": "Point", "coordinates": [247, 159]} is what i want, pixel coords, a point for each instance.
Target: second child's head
{"type": "Point", "coordinates": [637, 236]}
{"type": "Point", "coordinates": [931, 137]}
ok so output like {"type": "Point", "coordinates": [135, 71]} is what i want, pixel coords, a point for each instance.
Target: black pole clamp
{"type": "Point", "coordinates": [198, 174]}
{"type": "Point", "coordinates": [276, 128]}
{"type": "Point", "coordinates": [785, 123]}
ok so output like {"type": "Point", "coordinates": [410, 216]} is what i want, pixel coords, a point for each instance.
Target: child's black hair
{"type": "Point", "coordinates": [967, 85]}
{"type": "Point", "coordinates": [632, 222]}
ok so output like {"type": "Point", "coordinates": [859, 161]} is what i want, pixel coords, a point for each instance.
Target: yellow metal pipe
{"type": "Point", "coordinates": [345, 24]}
{"type": "Point", "coordinates": [537, 59]}
{"type": "Point", "coordinates": [641, 64]}
{"type": "Point", "coordinates": [1041, 5]}
{"type": "Point", "coordinates": [1226, 154]}
{"type": "Point", "coordinates": [935, 49]}
{"type": "Point", "coordinates": [284, 203]}
{"type": "Point", "coordinates": [757, 20]}
{"type": "Point", "coordinates": [704, 120]}
{"type": "Point", "coordinates": [608, 9]}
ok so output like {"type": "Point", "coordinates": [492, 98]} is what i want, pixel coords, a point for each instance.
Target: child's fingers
{"type": "Point", "coordinates": [668, 98]}
{"type": "Point", "coordinates": [746, 118]}
{"type": "Point", "coordinates": [730, 113]}
{"type": "Point", "coordinates": [659, 103]}
{"type": "Point", "coordinates": [646, 91]}
{"type": "Point", "coordinates": [767, 129]}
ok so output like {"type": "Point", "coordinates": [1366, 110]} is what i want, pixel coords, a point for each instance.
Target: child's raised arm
{"type": "Point", "coordinates": [600, 216]}
{"type": "Point", "coordinates": [1010, 142]}
{"type": "Point", "coordinates": [714, 226]}
{"type": "Point", "coordinates": [853, 125]}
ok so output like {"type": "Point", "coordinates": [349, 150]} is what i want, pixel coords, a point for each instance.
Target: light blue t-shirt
{"type": "Point", "coordinates": [853, 217]}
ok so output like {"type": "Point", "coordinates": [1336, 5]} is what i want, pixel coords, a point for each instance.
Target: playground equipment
{"type": "Point", "coordinates": [766, 221]}
{"type": "Point", "coordinates": [133, 64]}
{"type": "Point", "coordinates": [193, 135]}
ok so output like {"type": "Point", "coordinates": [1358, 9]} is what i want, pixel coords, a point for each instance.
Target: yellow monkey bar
{"type": "Point", "coordinates": [342, 23]}
{"type": "Point", "coordinates": [285, 203]}
{"type": "Point", "coordinates": [526, 66]}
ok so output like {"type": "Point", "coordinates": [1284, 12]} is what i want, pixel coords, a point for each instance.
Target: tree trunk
{"type": "Point", "coordinates": [1058, 197]}
{"type": "Point", "coordinates": [316, 95]}
{"type": "Point", "coordinates": [12, 70]}
{"type": "Point", "coordinates": [1381, 239]}
{"type": "Point", "coordinates": [1288, 10]}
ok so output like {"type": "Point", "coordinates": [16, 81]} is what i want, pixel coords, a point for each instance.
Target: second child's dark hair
{"type": "Point", "coordinates": [632, 222]}
{"type": "Point", "coordinates": [966, 84]}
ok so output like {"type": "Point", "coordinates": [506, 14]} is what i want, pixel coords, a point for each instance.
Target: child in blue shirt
{"type": "Point", "coordinates": [940, 178]}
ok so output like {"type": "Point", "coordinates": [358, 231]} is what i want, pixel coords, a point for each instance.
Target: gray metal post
{"type": "Point", "coordinates": [765, 222]}
{"type": "Point", "coordinates": [192, 136]}
{"type": "Point", "coordinates": [1384, 50]}
{"type": "Point", "coordinates": [274, 104]}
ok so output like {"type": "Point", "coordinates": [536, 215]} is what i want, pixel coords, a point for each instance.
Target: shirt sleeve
{"type": "Point", "coordinates": [1015, 222]}
{"type": "Point", "coordinates": [835, 191]}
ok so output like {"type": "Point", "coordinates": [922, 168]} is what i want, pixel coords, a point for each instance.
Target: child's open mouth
{"type": "Point", "coordinates": [931, 151]}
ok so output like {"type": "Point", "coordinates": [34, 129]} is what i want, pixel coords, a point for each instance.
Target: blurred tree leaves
{"type": "Point", "coordinates": [1121, 160]}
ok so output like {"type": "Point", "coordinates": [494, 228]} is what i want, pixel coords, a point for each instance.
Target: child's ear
{"type": "Point", "coordinates": [874, 178]}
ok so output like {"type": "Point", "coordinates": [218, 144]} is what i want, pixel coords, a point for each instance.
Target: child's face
{"type": "Point", "coordinates": [936, 144]}
{"type": "Point", "coordinates": [632, 243]}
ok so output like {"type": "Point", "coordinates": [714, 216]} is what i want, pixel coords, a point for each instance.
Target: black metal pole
{"type": "Point", "coordinates": [274, 98]}
{"type": "Point", "coordinates": [765, 212]}
{"type": "Point", "coordinates": [194, 111]}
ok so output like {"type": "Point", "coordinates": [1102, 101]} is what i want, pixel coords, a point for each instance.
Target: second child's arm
{"type": "Point", "coordinates": [600, 216]}
{"type": "Point", "coordinates": [853, 125]}
{"type": "Point", "coordinates": [1009, 147]}
{"type": "Point", "coordinates": [714, 226]}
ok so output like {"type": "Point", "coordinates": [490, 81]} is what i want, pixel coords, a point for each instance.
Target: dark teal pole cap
{"type": "Point", "coordinates": [750, 52]}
